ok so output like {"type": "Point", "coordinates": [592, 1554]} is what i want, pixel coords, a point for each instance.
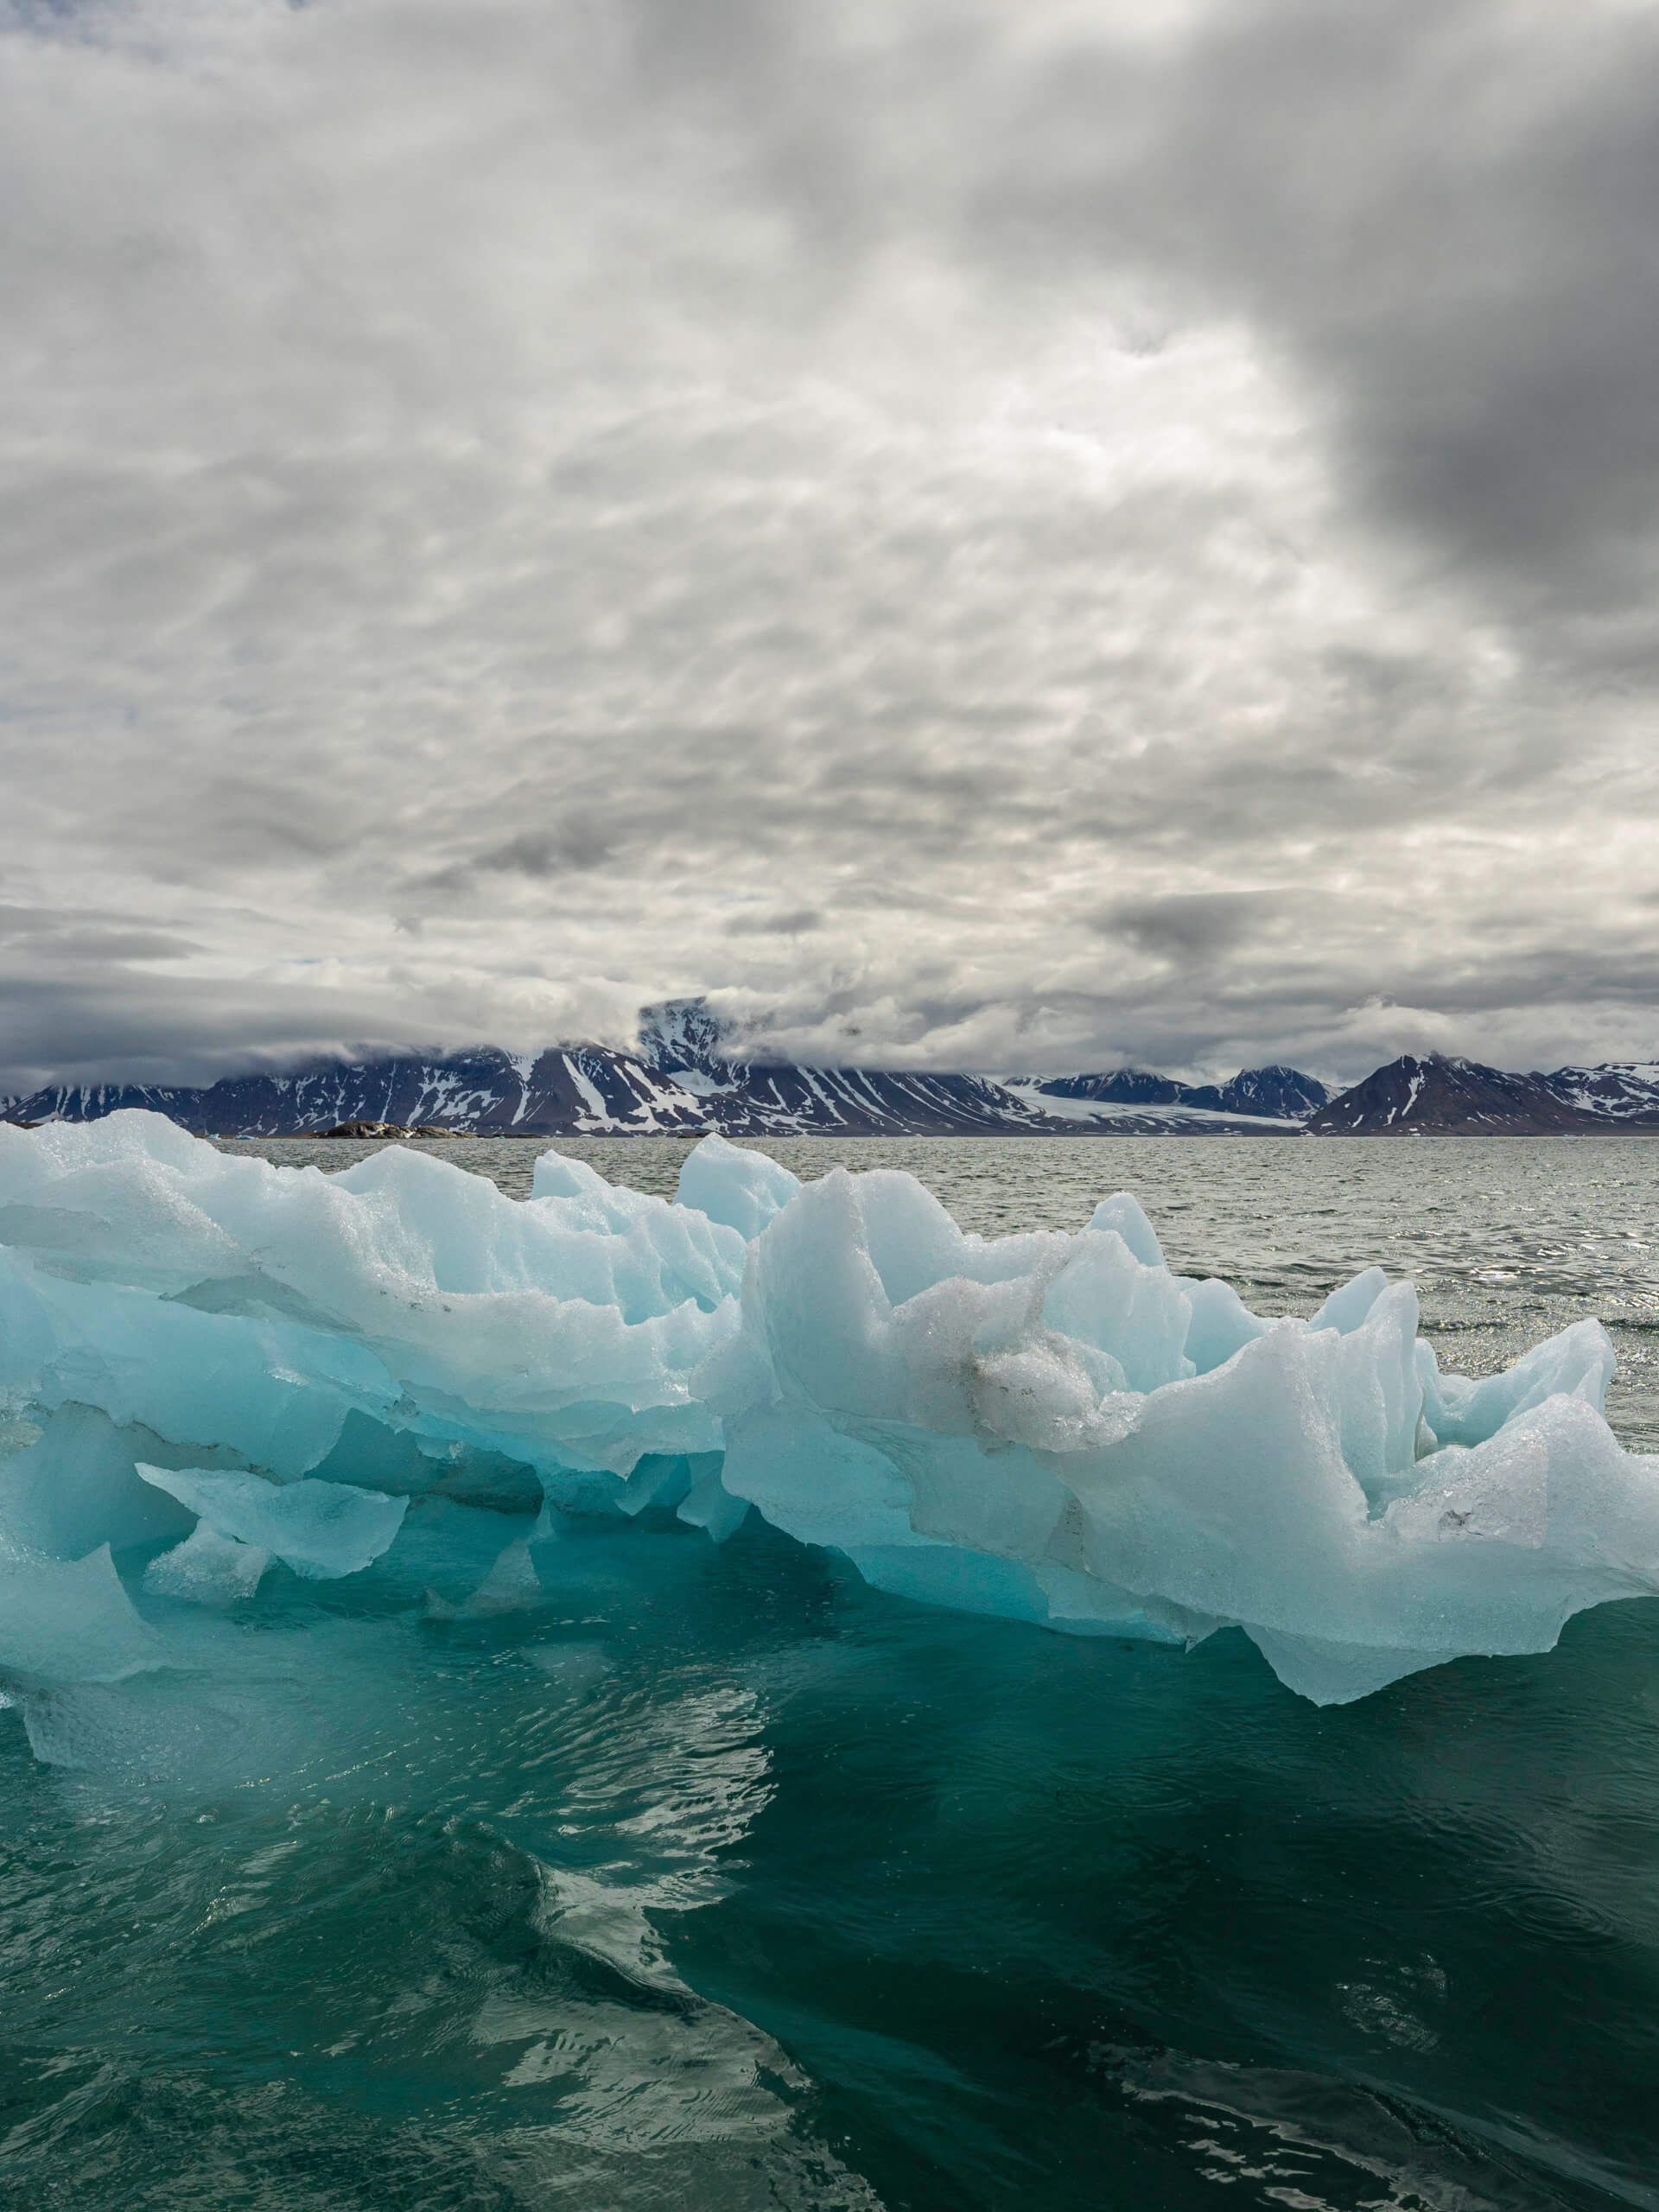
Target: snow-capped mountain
{"type": "Point", "coordinates": [1623, 1091]}
{"type": "Point", "coordinates": [1443, 1095]}
{"type": "Point", "coordinates": [485, 1092]}
{"type": "Point", "coordinates": [686, 1079]}
{"type": "Point", "coordinates": [1271, 1093]}
{"type": "Point", "coordinates": [687, 1076]}
{"type": "Point", "coordinates": [686, 1043]}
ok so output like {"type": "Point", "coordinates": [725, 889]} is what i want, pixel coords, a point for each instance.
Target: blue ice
{"type": "Point", "coordinates": [213, 1370]}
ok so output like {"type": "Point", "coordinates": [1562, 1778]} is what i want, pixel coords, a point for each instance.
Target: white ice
{"type": "Point", "coordinates": [322, 1530]}
{"type": "Point", "coordinates": [207, 1568]}
{"type": "Point", "coordinates": [1053, 1427]}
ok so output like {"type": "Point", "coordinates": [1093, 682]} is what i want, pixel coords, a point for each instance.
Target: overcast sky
{"type": "Point", "coordinates": [1018, 534]}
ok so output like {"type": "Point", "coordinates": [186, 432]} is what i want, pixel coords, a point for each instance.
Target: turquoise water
{"type": "Point", "coordinates": [721, 1879]}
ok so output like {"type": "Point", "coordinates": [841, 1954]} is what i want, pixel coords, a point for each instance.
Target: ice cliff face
{"type": "Point", "coordinates": [212, 1369]}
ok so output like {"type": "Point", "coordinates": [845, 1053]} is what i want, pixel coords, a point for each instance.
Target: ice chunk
{"type": "Point", "coordinates": [946, 1574]}
{"type": "Point", "coordinates": [1221, 1324]}
{"type": "Point", "coordinates": [77, 1487]}
{"type": "Point", "coordinates": [1375, 1387]}
{"type": "Point", "coordinates": [822, 1485]}
{"type": "Point", "coordinates": [1124, 1214]}
{"type": "Point", "coordinates": [207, 1569]}
{"type": "Point", "coordinates": [113, 1196]}
{"type": "Point", "coordinates": [69, 1621]}
{"type": "Point", "coordinates": [510, 1587]}
{"type": "Point", "coordinates": [1578, 1363]}
{"type": "Point", "coordinates": [322, 1530]}
{"type": "Point", "coordinates": [1347, 1307]}
{"type": "Point", "coordinates": [560, 1334]}
{"type": "Point", "coordinates": [1135, 1312]}
{"type": "Point", "coordinates": [1330, 1671]}
{"type": "Point", "coordinates": [26, 1339]}
{"type": "Point", "coordinates": [731, 1185]}
{"type": "Point", "coordinates": [977, 1419]}
{"type": "Point", "coordinates": [1051, 1427]}
{"type": "Point", "coordinates": [708, 1505]}
{"type": "Point", "coordinates": [278, 1394]}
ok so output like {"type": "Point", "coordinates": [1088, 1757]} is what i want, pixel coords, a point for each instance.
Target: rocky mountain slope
{"type": "Point", "coordinates": [682, 1082]}
{"type": "Point", "coordinates": [484, 1092]}
{"type": "Point", "coordinates": [1275, 1093]}
{"type": "Point", "coordinates": [683, 1042]}
{"type": "Point", "coordinates": [1447, 1096]}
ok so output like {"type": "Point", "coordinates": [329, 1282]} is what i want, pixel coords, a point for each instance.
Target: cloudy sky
{"type": "Point", "coordinates": [1017, 534]}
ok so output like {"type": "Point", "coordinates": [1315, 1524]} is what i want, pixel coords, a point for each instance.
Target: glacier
{"type": "Point", "coordinates": [215, 1370]}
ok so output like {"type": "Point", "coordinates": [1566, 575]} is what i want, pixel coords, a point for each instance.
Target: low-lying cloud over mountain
{"type": "Point", "coordinates": [683, 1078]}
{"type": "Point", "coordinates": [988, 533]}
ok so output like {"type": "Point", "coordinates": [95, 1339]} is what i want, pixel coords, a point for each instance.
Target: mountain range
{"type": "Point", "coordinates": [1445, 1096]}
{"type": "Point", "coordinates": [683, 1080]}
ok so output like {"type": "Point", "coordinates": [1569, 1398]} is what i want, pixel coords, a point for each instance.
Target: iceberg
{"type": "Point", "coordinates": [211, 1367]}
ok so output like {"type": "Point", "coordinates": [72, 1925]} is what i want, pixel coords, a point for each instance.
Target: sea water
{"type": "Point", "coordinates": [720, 1878]}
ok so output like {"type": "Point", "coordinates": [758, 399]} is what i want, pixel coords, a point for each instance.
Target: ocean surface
{"type": "Point", "coordinates": [722, 1881]}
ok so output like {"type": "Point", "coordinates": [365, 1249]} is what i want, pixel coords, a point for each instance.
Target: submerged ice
{"type": "Point", "coordinates": [213, 1368]}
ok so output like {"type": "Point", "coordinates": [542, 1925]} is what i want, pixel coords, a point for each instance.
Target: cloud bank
{"type": "Point", "coordinates": [1016, 536]}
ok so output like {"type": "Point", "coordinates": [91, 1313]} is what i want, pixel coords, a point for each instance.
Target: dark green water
{"type": "Point", "coordinates": [719, 1879]}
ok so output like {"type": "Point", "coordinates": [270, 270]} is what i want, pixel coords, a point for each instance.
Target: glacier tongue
{"type": "Point", "coordinates": [1054, 1428]}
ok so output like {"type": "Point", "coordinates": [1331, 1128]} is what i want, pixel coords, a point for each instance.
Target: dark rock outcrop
{"type": "Point", "coordinates": [1117, 1087]}
{"type": "Point", "coordinates": [1285, 1093]}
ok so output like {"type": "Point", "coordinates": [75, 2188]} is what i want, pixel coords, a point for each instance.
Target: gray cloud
{"type": "Point", "coordinates": [1196, 928]}
{"type": "Point", "coordinates": [994, 534]}
{"type": "Point", "coordinates": [799, 921]}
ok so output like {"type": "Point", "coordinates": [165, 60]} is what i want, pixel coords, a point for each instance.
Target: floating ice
{"type": "Point", "coordinates": [1054, 1428]}
{"type": "Point", "coordinates": [68, 1621]}
{"type": "Point", "coordinates": [322, 1530]}
{"type": "Point", "coordinates": [207, 1569]}
{"type": "Point", "coordinates": [510, 1587]}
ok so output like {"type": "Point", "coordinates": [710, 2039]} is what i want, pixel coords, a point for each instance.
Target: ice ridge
{"type": "Point", "coordinates": [213, 1370]}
